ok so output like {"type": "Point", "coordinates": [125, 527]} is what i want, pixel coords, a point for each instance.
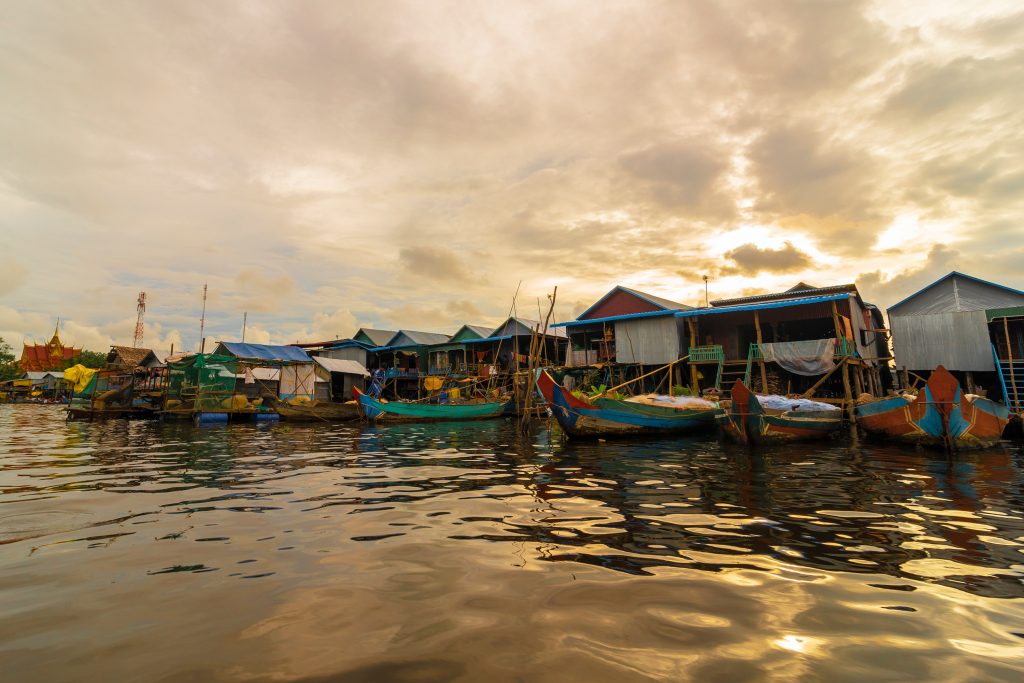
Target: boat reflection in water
{"type": "Point", "coordinates": [440, 551]}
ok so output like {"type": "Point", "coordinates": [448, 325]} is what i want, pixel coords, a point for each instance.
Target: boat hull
{"type": "Point", "coordinates": [395, 411]}
{"type": "Point", "coordinates": [609, 417]}
{"type": "Point", "coordinates": [745, 421]}
{"type": "Point", "coordinates": [318, 411]}
{"type": "Point", "coordinates": [941, 416]}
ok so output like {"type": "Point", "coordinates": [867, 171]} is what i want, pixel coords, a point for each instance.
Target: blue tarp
{"type": "Point", "coordinates": [266, 352]}
{"type": "Point", "coordinates": [760, 307]}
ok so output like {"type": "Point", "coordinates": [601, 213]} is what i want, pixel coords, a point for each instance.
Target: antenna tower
{"type": "Point", "coordinates": [141, 308]}
{"type": "Point", "coordinates": [202, 323]}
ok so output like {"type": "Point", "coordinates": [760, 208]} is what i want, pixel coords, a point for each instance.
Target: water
{"type": "Point", "coordinates": [160, 552]}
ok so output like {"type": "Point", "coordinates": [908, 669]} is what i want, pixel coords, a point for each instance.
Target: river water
{"type": "Point", "coordinates": [136, 551]}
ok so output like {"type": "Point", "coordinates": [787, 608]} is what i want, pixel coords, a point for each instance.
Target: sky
{"type": "Point", "coordinates": [323, 166]}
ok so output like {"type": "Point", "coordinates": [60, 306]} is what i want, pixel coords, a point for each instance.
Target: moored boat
{"type": "Point", "coordinates": [316, 411]}
{"type": "Point", "coordinates": [376, 410]}
{"type": "Point", "coordinates": [603, 417]}
{"type": "Point", "coordinates": [756, 420]}
{"type": "Point", "coordinates": [941, 415]}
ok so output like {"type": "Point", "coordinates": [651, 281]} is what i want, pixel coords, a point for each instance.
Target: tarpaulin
{"type": "Point", "coordinates": [812, 357]}
{"type": "Point", "coordinates": [79, 375]}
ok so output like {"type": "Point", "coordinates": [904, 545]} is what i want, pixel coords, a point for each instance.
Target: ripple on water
{"type": "Point", "coordinates": [464, 552]}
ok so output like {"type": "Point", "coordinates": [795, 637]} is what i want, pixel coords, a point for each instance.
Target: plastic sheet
{"type": "Point", "coordinates": [812, 357]}
{"type": "Point", "coordinates": [776, 402]}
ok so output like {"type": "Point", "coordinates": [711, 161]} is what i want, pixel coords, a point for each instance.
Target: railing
{"type": "Point", "coordinates": [706, 354]}
{"type": "Point", "coordinates": [392, 373]}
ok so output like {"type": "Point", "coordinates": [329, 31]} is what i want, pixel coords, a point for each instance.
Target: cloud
{"type": "Point", "coordinates": [12, 275]}
{"type": "Point", "coordinates": [752, 259]}
{"type": "Point", "coordinates": [328, 161]}
{"type": "Point", "coordinates": [435, 263]}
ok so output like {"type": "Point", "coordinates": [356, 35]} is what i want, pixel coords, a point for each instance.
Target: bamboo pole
{"type": "Point", "coordinates": [694, 384]}
{"type": "Point", "coordinates": [810, 392]}
{"type": "Point", "coordinates": [849, 397]}
{"type": "Point", "coordinates": [1009, 357]}
{"type": "Point", "coordinates": [764, 372]}
{"type": "Point", "coordinates": [648, 374]}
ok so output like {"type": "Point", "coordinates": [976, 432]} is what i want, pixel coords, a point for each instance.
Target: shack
{"type": "Point", "coordinates": [627, 327]}
{"type": "Point", "coordinates": [454, 357]}
{"type": "Point", "coordinates": [129, 358]}
{"type": "Point", "coordinates": [296, 376]}
{"type": "Point", "coordinates": [973, 327]}
{"type": "Point", "coordinates": [335, 378]}
{"type": "Point", "coordinates": [791, 339]}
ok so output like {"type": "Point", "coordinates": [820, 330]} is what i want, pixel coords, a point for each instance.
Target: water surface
{"type": "Point", "coordinates": [138, 551]}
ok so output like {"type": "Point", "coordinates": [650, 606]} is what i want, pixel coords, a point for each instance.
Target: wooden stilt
{"type": "Point", "coordinates": [816, 385]}
{"type": "Point", "coordinates": [851, 416]}
{"type": "Point", "coordinates": [1009, 357]}
{"type": "Point", "coordinates": [764, 372]}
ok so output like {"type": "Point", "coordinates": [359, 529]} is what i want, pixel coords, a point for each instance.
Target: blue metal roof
{"type": "Point", "coordinates": [266, 352]}
{"type": "Point", "coordinates": [761, 307]}
{"type": "Point", "coordinates": [486, 339]}
{"type": "Point", "coordinates": [627, 316]}
{"type": "Point", "coordinates": [348, 343]}
{"type": "Point", "coordinates": [957, 274]}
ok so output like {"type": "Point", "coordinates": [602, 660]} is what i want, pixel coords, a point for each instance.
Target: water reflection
{"type": "Point", "coordinates": [741, 558]}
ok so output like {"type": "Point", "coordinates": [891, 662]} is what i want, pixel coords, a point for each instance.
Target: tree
{"type": "Point", "coordinates": [8, 364]}
{"type": "Point", "coordinates": [90, 359]}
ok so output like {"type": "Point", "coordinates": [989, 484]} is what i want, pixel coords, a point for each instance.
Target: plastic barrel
{"type": "Point", "coordinates": [211, 418]}
{"type": "Point", "coordinates": [267, 417]}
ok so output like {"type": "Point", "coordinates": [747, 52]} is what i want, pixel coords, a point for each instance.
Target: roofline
{"type": "Point", "coordinates": [946, 277]}
{"type": "Point", "coordinates": [626, 316]}
{"type": "Point", "coordinates": [760, 307]}
{"type": "Point", "coordinates": [622, 288]}
{"type": "Point", "coordinates": [806, 293]}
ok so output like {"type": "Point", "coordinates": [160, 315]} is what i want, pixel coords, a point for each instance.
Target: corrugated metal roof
{"type": "Point", "coordinates": [805, 291]}
{"type": "Point", "coordinates": [649, 298]}
{"type": "Point", "coordinates": [348, 367]}
{"type": "Point", "coordinates": [43, 374]}
{"type": "Point", "coordinates": [954, 274]}
{"type": "Point", "coordinates": [378, 337]}
{"type": "Point", "coordinates": [628, 316]}
{"type": "Point", "coordinates": [760, 307]}
{"type": "Point", "coordinates": [1008, 312]}
{"type": "Point", "coordinates": [528, 324]}
{"type": "Point", "coordinates": [487, 339]}
{"type": "Point", "coordinates": [416, 338]}
{"type": "Point", "coordinates": [264, 352]}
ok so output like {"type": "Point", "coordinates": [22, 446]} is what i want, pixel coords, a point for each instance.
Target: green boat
{"type": "Point", "coordinates": [400, 411]}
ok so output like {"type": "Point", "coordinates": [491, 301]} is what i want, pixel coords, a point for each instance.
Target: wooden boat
{"type": "Point", "coordinates": [546, 386]}
{"type": "Point", "coordinates": [941, 416]}
{"type": "Point", "coordinates": [113, 394]}
{"type": "Point", "coordinates": [605, 417]}
{"type": "Point", "coordinates": [376, 410]}
{"type": "Point", "coordinates": [316, 411]}
{"type": "Point", "coordinates": [745, 420]}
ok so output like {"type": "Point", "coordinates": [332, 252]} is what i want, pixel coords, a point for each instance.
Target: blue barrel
{"type": "Point", "coordinates": [211, 418]}
{"type": "Point", "coordinates": [267, 417]}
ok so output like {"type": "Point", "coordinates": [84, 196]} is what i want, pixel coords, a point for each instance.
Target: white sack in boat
{"type": "Point", "coordinates": [680, 402]}
{"type": "Point", "coordinates": [776, 402]}
{"type": "Point", "coordinates": [812, 357]}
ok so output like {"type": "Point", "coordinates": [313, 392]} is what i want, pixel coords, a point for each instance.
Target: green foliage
{"type": "Point", "coordinates": [8, 364]}
{"type": "Point", "coordinates": [680, 390]}
{"type": "Point", "coordinates": [96, 360]}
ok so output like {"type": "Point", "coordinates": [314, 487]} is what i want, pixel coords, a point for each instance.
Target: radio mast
{"type": "Point", "coordinates": [141, 308]}
{"type": "Point", "coordinates": [202, 323]}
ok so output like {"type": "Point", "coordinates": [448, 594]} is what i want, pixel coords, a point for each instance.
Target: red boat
{"type": "Point", "coordinates": [941, 415]}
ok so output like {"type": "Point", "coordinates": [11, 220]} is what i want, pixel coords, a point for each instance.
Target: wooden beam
{"type": "Point", "coordinates": [810, 392]}
{"type": "Point", "coordinates": [764, 373]}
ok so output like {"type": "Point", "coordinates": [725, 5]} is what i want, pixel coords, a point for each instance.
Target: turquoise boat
{"type": "Point", "coordinates": [375, 410]}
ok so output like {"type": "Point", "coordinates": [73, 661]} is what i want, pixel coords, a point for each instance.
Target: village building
{"type": "Point", "coordinates": [129, 358]}
{"type": "Point", "coordinates": [52, 355]}
{"type": "Point", "coordinates": [627, 327]}
{"type": "Point", "coordinates": [972, 327]}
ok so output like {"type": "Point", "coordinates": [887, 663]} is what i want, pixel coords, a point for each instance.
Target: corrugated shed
{"type": "Point", "coordinates": [958, 341]}
{"type": "Point", "coordinates": [348, 367]}
{"type": "Point", "coordinates": [957, 292]}
{"type": "Point", "coordinates": [800, 290]}
{"type": "Point", "coordinates": [354, 353]}
{"type": "Point", "coordinates": [647, 341]}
